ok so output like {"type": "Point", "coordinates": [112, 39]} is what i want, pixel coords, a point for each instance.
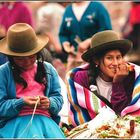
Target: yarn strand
{"type": "Point", "coordinates": [30, 122]}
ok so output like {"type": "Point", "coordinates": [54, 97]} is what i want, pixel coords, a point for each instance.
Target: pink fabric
{"type": "Point", "coordinates": [29, 111]}
{"type": "Point", "coordinates": [80, 96]}
{"type": "Point", "coordinates": [19, 13]}
{"type": "Point", "coordinates": [33, 89]}
{"type": "Point", "coordinates": [132, 109]}
{"type": "Point", "coordinates": [135, 15]}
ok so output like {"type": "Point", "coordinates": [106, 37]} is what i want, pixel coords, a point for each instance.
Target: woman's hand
{"type": "Point", "coordinates": [69, 49]}
{"type": "Point", "coordinates": [31, 100]}
{"type": "Point", "coordinates": [121, 72]}
{"type": "Point", "coordinates": [84, 45]}
{"type": "Point", "coordinates": [54, 42]}
{"type": "Point", "coordinates": [44, 102]}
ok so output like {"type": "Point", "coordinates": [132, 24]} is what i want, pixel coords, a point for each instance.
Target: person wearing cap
{"type": "Point", "coordinates": [30, 92]}
{"type": "Point", "coordinates": [106, 79]}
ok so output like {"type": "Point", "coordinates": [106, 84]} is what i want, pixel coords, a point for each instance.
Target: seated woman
{"type": "Point", "coordinates": [105, 80]}
{"type": "Point", "coordinates": [30, 91]}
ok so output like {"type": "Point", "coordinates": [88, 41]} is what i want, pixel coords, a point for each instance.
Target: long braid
{"type": "Point", "coordinates": [94, 68]}
{"type": "Point", "coordinates": [40, 76]}
{"type": "Point", "coordinates": [16, 72]}
{"type": "Point", "coordinates": [93, 73]}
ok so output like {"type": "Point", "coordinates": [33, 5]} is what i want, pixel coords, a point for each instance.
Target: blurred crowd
{"type": "Point", "coordinates": [46, 17]}
{"type": "Point", "coordinates": [119, 19]}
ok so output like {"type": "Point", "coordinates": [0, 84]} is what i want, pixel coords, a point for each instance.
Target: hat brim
{"type": "Point", "coordinates": [123, 45]}
{"type": "Point", "coordinates": [4, 48]}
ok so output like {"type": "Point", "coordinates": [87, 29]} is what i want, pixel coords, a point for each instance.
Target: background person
{"type": "Point", "coordinates": [78, 27]}
{"type": "Point", "coordinates": [131, 31]}
{"type": "Point", "coordinates": [11, 13]}
{"type": "Point", "coordinates": [49, 18]}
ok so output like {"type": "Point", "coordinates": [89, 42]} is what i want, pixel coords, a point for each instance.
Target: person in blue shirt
{"type": "Point", "coordinates": [30, 90]}
{"type": "Point", "coordinates": [80, 21]}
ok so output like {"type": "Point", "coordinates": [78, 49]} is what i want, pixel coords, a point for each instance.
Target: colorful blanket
{"type": "Point", "coordinates": [83, 104]}
{"type": "Point", "coordinates": [134, 107]}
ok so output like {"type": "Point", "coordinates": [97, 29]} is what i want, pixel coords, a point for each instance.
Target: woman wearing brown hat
{"type": "Point", "coordinates": [30, 97]}
{"type": "Point", "coordinates": [106, 74]}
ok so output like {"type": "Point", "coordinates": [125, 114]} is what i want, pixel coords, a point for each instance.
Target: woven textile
{"type": "Point", "coordinates": [134, 107]}
{"type": "Point", "coordinates": [83, 104]}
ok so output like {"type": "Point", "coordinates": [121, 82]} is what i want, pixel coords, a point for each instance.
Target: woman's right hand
{"type": "Point", "coordinates": [69, 49]}
{"type": "Point", "coordinates": [30, 100]}
{"type": "Point", "coordinates": [84, 45]}
{"type": "Point", "coordinates": [2, 31]}
{"type": "Point", "coordinates": [121, 72]}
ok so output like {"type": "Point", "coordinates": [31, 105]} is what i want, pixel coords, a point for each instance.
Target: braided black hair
{"type": "Point", "coordinates": [94, 69]}
{"type": "Point", "coordinates": [93, 73]}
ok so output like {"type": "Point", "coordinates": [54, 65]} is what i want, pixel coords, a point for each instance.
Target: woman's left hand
{"type": "Point", "coordinates": [84, 45]}
{"type": "Point", "coordinates": [44, 102]}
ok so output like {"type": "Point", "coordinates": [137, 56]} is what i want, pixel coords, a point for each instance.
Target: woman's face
{"type": "Point", "coordinates": [109, 63]}
{"type": "Point", "coordinates": [25, 62]}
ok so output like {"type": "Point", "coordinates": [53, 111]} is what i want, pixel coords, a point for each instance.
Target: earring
{"type": "Point", "coordinates": [39, 60]}
{"type": "Point", "coordinates": [96, 65]}
{"type": "Point", "coordinates": [13, 67]}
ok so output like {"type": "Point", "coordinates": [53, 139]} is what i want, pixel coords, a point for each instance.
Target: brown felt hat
{"type": "Point", "coordinates": [21, 40]}
{"type": "Point", "coordinates": [105, 41]}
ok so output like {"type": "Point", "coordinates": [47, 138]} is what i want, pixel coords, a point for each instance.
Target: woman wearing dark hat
{"type": "Point", "coordinates": [30, 97]}
{"type": "Point", "coordinates": [106, 74]}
